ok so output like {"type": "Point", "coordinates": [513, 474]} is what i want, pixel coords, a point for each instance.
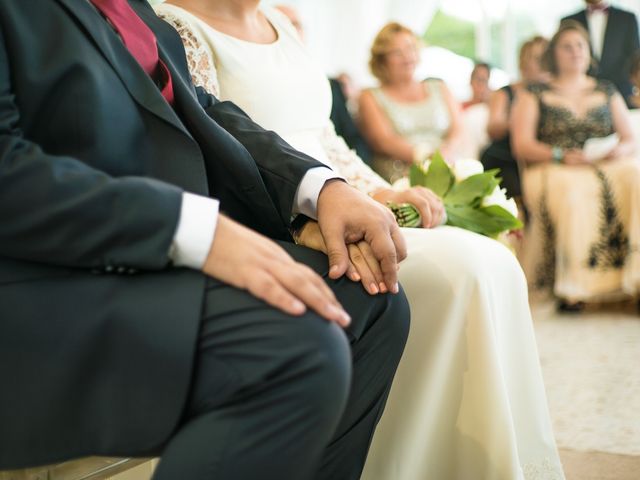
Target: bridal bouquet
{"type": "Point", "coordinates": [472, 197]}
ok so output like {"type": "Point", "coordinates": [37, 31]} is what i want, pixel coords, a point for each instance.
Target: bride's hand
{"type": "Point", "coordinates": [428, 203]}
{"type": "Point", "coordinates": [363, 266]}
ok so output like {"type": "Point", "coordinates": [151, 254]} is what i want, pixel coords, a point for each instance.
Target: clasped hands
{"type": "Point", "coordinates": [359, 235]}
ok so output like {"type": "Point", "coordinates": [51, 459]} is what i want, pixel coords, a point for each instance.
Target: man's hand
{"type": "Point", "coordinates": [363, 266]}
{"type": "Point", "coordinates": [247, 260]}
{"type": "Point", "coordinates": [428, 203]}
{"type": "Point", "coordinates": [347, 216]}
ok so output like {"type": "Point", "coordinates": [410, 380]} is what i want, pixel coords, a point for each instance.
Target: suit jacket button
{"type": "Point", "coordinates": [108, 268]}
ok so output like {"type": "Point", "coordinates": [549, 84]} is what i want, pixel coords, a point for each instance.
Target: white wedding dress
{"type": "Point", "coordinates": [468, 402]}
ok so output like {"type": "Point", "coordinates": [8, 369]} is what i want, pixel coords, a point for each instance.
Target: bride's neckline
{"type": "Point", "coordinates": [234, 38]}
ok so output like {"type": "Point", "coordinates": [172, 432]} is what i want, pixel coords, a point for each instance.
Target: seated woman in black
{"type": "Point", "coordinates": [498, 153]}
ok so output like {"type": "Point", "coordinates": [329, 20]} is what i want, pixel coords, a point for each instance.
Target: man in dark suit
{"type": "Point", "coordinates": [136, 319]}
{"type": "Point", "coordinates": [614, 38]}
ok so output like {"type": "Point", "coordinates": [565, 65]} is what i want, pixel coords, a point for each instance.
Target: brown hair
{"type": "Point", "coordinates": [380, 48]}
{"type": "Point", "coordinates": [549, 58]}
{"type": "Point", "coordinates": [528, 45]}
{"type": "Point", "coordinates": [634, 65]}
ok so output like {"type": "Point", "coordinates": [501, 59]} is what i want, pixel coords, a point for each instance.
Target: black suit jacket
{"type": "Point", "coordinates": [97, 329]}
{"type": "Point", "coordinates": [621, 40]}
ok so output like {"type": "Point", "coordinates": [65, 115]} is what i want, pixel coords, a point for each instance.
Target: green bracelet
{"type": "Point", "coordinates": [557, 154]}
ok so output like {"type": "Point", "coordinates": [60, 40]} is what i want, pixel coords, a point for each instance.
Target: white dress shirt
{"type": "Point", "coordinates": [597, 21]}
{"type": "Point", "coordinates": [199, 217]}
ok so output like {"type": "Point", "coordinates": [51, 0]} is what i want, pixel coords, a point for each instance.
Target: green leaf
{"type": "Point", "coordinates": [512, 223]}
{"type": "Point", "coordinates": [472, 188]}
{"type": "Point", "coordinates": [439, 177]}
{"type": "Point", "coordinates": [489, 221]}
{"type": "Point", "coordinates": [417, 176]}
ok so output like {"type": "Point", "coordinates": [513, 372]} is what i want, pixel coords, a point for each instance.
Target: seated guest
{"type": "Point", "coordinates": [613, 37]}
{"type": "Point", "coordinates": [135, 318]}
{"type": "Point", "coordinates": [582, 189]}
{"type": "Point", "coordinates": [462, 287]}
{"type": "Point", "coordinates": [403, 119]}
{"type": "Point", "coordinates": [498, 154]}
{"type": "Point", "coordinates": [479, 81]}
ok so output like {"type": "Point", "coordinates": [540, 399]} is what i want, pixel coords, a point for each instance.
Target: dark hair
{"type": "Point", "coordinates": [479, 65]}
{"type": "Point", "coordinates": [549, 57]}
{"type": "Point", "coordinates": [634, 63]}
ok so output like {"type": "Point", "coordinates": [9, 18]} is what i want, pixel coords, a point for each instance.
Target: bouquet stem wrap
{"type": "Point", "coordinates": [472, 197]}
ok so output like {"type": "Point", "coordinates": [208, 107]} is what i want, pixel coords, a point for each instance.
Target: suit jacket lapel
{"type": "Point", "coordinates": [609, 35]}
{"type": "Point", "coordinates": [582, 18]}
{"type": "Point", "coordinates": [134, 78]}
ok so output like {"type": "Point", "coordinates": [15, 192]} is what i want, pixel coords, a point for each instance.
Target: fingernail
{"type": "Point", "coordinates": [337, 313]}
{"type": "Point", "coordinates": [297, 306]}
{"type": "Point", "coordinates": [383, 287]}
{"type": "Point", "coordinates": [355, 277]}
{"type": "Point", "coordinates": [395, 288]}
{"type": "Point", "coordinates": [373, 289]}
{"type": "Point", "coordinates": [334, 269]}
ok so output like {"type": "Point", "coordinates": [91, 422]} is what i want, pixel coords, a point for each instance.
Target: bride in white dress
{"type": "Point", "coordinates": [468, 401]}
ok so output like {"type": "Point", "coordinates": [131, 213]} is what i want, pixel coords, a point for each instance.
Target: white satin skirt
{"type": "Point", "coordinates": [468, 400]}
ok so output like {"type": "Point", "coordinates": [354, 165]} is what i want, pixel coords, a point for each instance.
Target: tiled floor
{"type": "Point", "coordinates": [591, 365]}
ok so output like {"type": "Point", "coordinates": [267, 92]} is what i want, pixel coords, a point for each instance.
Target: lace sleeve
{"type": "Point", "coordinates": [199, 57]}
{"type": "Point", "coordinates": [349, 164]}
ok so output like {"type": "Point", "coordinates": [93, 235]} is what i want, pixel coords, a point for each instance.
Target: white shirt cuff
{"type": "Point", "coordinates": [306, 200]}
{"type": "Point", "coordinates": [196, 229]}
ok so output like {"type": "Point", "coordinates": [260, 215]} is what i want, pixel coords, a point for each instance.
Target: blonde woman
{"type": "Point", "coordinates": [584, 238]}
{"type": "Point", "coordinates": [468, 401]}
{"type": "Point", "coordinates": [403, 119]}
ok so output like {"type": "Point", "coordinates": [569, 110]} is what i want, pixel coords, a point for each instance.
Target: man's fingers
{"type": "Point", "coordinates": [336, 251]}
{"type": "Point", "coordinates": [384, 250]}
{"type": "Point", "coordinates": [265, 287]}
{"type": "Point", "coordinates": [352, 270]}
{"type": "Point", "coordinates": [310, 289]}
{"type": "Point", "coordinates": [399, 243]}
{"type": "Point", "coordinates": [373, 264]}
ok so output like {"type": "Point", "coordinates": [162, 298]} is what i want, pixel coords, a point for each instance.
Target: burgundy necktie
{"type": "Point", "coordinates": [139, 40]}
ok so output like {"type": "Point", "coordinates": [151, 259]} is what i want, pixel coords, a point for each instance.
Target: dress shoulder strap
{"type": "Point", "coordinates": [607, 87]}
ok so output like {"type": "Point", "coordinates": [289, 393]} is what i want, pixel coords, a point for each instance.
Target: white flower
{"type": "Point", "coordinates": [512, 207]}
{"type": "Point", "coordinates": [401, 184]}
{"type": "Point", "coordinates": [499, 197]}
{"type": "Point", "coordinates": [464, 168]}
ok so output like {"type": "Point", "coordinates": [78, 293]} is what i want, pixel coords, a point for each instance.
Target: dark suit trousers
{"type": "Point", "coordinates": [280, 397]}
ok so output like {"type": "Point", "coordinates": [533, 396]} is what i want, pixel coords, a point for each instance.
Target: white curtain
{"type": "Point", "coordinates": [339, 32]}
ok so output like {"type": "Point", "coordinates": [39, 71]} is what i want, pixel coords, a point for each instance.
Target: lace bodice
{"type": "Point", "coordinates": [560, 126]}
{"type": "Point", "coordinates": [277, 84]}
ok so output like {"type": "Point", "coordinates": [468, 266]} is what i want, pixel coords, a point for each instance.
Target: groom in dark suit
{"type": "Point", "coordinates": [614, 39]}
{"type": "Point", "coordinates": [137, 319]}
